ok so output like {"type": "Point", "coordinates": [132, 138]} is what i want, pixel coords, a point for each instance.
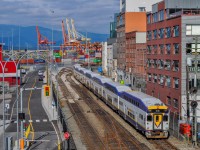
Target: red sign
{"type": "Point", "coordinates": [66, 135]}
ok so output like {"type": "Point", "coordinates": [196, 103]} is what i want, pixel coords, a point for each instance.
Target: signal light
{"type": "Point", "coordinates": [46, 90]}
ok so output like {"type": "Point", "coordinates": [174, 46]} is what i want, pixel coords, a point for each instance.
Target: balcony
{"type": "Point", "coordinates": [192, 69]}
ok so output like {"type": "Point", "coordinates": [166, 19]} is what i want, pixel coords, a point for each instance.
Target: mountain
{"type": "Point", "coordinates": [28, 36]}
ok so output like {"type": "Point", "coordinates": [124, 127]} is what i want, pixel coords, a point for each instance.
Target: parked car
{"type": "Point", "coordinates": [23, 71]}
{"type": "Point", "coordinates": [40, 73]}
{"type": "Point", "coordinates": [41, 78]}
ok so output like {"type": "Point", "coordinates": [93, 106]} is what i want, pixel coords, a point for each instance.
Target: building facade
{"type": "Point", "coordinates": [172, 28]}
{"type": "Point", "coordinates": [127, 22]}
{"type": "Point", "coordinates": [136, 60]}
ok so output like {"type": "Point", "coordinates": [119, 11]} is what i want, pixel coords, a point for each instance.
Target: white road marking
{"type": "Point", "coordinates": [37, 120]}
{"type": "Point", "coordinates": [15, 121]}
{"type": "Point", "coordinates": [44, 120]}
{"type": "Point", "coordinates": [30, 121]}
{"type": "Point", "coordinates": [71, 101]}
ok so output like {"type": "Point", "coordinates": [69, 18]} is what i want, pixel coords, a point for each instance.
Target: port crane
{"type": "Point", "coordinates": [43, 42]}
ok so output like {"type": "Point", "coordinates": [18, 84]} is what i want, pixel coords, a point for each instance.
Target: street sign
{"type": "Point", "coordinates": [7, 106]}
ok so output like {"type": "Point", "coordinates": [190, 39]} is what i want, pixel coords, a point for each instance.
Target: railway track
{"type": "Point", "coordinates": [163, 144]}
{"type": "Point", "coordinates": [91, 139]}
{"type": "Point", "coordinates": [115, 136]}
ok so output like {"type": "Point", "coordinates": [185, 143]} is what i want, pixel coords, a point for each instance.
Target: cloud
{"type": "Point", "coordinates": [91, 16]}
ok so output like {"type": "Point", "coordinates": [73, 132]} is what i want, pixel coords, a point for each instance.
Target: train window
{"type": "Point", "coordinates": [165, 118]}
{"type": "Point", "coordinates": [149, 118]}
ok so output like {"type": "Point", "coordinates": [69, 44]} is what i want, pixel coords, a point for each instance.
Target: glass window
{"type": "Point", "coordinates": [168, 81]}
{"type": "Point", "coordinates": [155, 78]}
{"type": "Point", "coordinates": [155, 34]}
{"type": "Point", "coordinates": [165, 118]}
{"type": "Point", "coordinates": [175, 103]}
{"type": "Point", "coordinates": [149, 49]}
{"type": "Point", "coordinates": [161, 33]}
{"type": "Point", "coordinates": [149, 19]}
{"type": "Point", "coordinates": [155, 49]}
{"type": "Point", "coordinates": [176, 48]}
{"type": "Point", "coordinates": [168, 32]}
{"type": "Point", "coordinates": [176, 31]}
{"type": "Point", "coordinates": [161, 77]}
{"type": "Point", "coordinates": [161, 49]}
{"type": "Point", "coordinates": [149, 36]}
{"type": "Point", "coordinates": [192, 29]}
{"type": "Point", "coordinates": [176, 83]}
{"type": "Point", "coordinates": [149, 118]}
{"type": "Point", "coordinates": [175, 65]}
{"type": "Point", "coordinates": [168, 64]}
{"type": "Point", "coordinates": [168, 49]}
{"type": "Point", "coordinates": [149, 77]}
{"type": "Point", "coordinates": [169, 101]}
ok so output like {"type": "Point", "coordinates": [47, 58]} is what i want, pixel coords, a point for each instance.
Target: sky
{"type": "Point", "coordinates": [89, 15]}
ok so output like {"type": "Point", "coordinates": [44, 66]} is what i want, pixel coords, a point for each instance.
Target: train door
{"type": "Point", "coordinates": [158, 121]}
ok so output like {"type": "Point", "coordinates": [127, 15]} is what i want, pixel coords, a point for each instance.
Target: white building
{"type": "Point", "coordinates": [104, 57]}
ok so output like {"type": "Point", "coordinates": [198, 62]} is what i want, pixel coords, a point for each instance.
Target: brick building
{"type": "Point", "coordinates": [172, 27]}
{"type": "Point", "coordinates": [127, 22]}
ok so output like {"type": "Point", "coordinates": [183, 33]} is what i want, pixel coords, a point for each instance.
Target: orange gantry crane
{"type": "Point", "coordinates": [43, 42]}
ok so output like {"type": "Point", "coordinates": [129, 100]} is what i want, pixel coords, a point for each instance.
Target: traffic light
{"type": "Point", "coordinates": [46, 90]}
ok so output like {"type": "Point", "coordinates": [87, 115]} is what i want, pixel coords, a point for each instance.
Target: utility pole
{"type": "Point", "coordinates": [194, 104]}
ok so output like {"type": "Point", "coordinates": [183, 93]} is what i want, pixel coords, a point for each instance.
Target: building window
{"type": "Point", "coordinates": [155, 49]}
{"type": "Point", "coordinates": [175, 103]}
{"type": "Point", "coordinates": [149, 36]}
{"type": "Point", "coordinates": [192, 29]}
{"type": "Point", "coordinates": [155, 63]}
{"type": "Point", "coordinates": [154, 34]}
{"type": "Point", "coordinates": [176, 31]}
{"type": "Point", "coordinates": [161, 79]}
{"type": "Point", "coordinates": [161, 49]}
{"type": "Point", "coordinates": [161, 64]}
{"type": "Point", "coordinates": [155, 17]}
{"type": "Point", "coordinates": [149, 19]}
{"type": "Point", "coordinates": [176, 48]}
{"type": "Point", "coordinates": [168, 81]}
{"type": "Point", "coordinates": [168, 49]}
{"type": "Point", "coordinates": [161, 13]}
{"type": "Point", "coordinates": [149, 77]}
{"type": "Point", "coordinates": [148, 63]}
{"type": "Point", "coordinates": [190, 48]}
{"type": "Point", "coordinates": [191, 83]}
{"type": "Point", "coordinates": [175, 65]}
{"type": "Point", "coordinates": [155, 78]}
{"type": "Point", "coordinates": [168, 65]}
{"type": "Point", "coordinates": [169, 101]}
{"type": "Point", "coordinates": [168, 32]}
{"type": "Point", "coordinates": [149, 49]}
{"type": "Point", "coordinates": [161, 33]}
{"type": "Point", "coordinates": [176, 83]}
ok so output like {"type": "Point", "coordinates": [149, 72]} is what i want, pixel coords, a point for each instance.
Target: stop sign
{"type": "Point", "coordinates": [66, 135]}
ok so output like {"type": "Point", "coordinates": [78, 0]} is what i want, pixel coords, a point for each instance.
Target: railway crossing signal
{"type": "Point", "coordinates": [46, 90]}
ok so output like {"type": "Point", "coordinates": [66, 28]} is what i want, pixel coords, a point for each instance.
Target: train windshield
{"type": "Point", "coordinates": [158, 110]}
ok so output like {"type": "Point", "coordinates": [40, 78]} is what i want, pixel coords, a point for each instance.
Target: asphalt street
{"type": "Point", "coordinates": [43, 130]}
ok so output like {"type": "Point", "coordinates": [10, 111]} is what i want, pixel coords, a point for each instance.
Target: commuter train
{"type": "Point", "coordinates": [146, 113]}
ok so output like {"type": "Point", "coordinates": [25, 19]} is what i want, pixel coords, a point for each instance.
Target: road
{"type": "Point", "coordinates": [35, 116]}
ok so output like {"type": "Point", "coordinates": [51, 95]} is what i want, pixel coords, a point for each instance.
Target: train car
{"type": "Point", "coordinates": [111, 93]}
{"type": "Point", "coordinates": [82, 77]}
{"type": "Point", "coordinates": [146, 113]}
{"type": "Point", "coordinates": [91, 75]}
{"type": "Point", "coordinates": [97, 84]}
{"type": "Point", "coordinates": [77, 73]}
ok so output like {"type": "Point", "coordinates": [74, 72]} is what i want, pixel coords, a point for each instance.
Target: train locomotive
{"type": "Point", "coordinates": [146, 113]}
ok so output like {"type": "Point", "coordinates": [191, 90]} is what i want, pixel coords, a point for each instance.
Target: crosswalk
{"type": "Point", "coordinates": [32, 121]}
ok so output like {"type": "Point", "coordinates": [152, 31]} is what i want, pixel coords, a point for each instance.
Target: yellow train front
{"type": "Point", "coordinates": [157, 123]}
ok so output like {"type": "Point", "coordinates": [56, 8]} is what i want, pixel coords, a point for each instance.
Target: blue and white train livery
{"type": "Point", "coordinates": [146, 113]}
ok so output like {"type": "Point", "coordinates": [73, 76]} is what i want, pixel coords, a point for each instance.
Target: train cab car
{"type": "Point", "coordinates": [111, 93]}
{"type": "Point", "coordinates": [90, 83]}
{"type": "Point", "coordinates": [146, 113]}
{"type": "Point", "coordinates": [98, 82]}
